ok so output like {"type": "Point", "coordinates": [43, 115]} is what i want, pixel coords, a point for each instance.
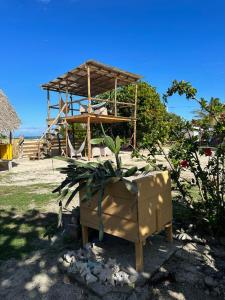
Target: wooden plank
{"type": "Point", "coordinates": [154, 203]}
{"type": "Point", "coordinates": [169, 232]}
{"type": "Point", "coordinates": [83, 118]}
{"type": "Point", "coordinates": [139, 256]}
{"type": "Point", "coordinates": [117, 201]}
{"type": "Point", "coordinates": [84, 234]}
{"type": "Point", "coordinates": [112, 224]}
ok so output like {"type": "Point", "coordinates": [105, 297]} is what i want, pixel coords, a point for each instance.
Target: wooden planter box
{"type": "Point", "coordinates": [132, 217]}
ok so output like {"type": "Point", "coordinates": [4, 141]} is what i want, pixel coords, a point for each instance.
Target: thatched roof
{"type": "Point", "coordinates": [102, 79]}
{"type": "Point", "coordinates": [9, 120]}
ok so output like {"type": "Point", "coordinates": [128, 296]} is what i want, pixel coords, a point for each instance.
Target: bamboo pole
{"type": "Point", "coordinates": [115, 95]}
{"type": "Point", "coordinates": [135, 116]}
{"type": "Point", "coordinates": [48, 101]}
{"type": "Point", "coordinates": [89, 111]}
{"type": "Point", "coordinates": [66, 114]}
{"type": "Point", "coordinates": [72, 110]}
{"type": "Point", "coordinates": [89, 89]}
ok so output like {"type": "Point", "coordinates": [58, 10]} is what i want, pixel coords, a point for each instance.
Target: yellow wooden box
{"type": "Point", "coordinates": [129, 216]}
{"type": "Point", "coordinates": [6, 152]}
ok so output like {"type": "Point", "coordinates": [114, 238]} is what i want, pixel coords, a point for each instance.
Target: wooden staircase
{"type": "Point", "coordinates": [51, 142]}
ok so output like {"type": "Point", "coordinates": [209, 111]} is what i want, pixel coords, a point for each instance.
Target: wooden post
{"type": "Point", "coordinates": [48, 103]}
{"type": "Point", "coordinates": [71, 106]}
{"type": "Point", "coordinates": [139, 256]}
{"type": "Point", "coordinates": [89, 88]}
{"type": "Point", "coordinates": [84, 234]}
{"type": "Point", "coordinates": [89, 137]}
{"type": "Point", "coordinates": [89, 111]}
{"type": "Point", "coordinates": [169, 232]}
{"type": "Point", "coordinates": [59, 98]}
{"type": "Point", "coordinates": [10, 137]}
{"type": "Point", "coordinates": [66, 114]}
{"type": "Point", "coordinates": [115, 96]}
{"type": "Point", "coordinates": [135, 116]}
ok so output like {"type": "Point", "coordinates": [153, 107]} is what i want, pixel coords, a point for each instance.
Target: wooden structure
{"type": "Point", "coordinates": [129, 216]}
{"type": "Point", "coordinates": [9, 121]}
{"type": "Point", "coordinates": [88, 81]}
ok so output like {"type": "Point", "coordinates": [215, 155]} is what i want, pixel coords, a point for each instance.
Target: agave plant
{"type": "Point", "coordinates": [93, 177]}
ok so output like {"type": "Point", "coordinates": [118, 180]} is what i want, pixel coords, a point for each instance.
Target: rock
{"type": "Point", "coordinates": [69, 257]}
{"type": "Point", "coordinates": [183, 236]}
{"type": "Point", "coordinates": [90, 278]}
{"type": "Point", "coordinates": [121, 278]}
{"type": "Point", "coordinates": [97, 269]}
{"type": "Point", "coordinates": [106, 274]}
{"type": "Point", "coordinates": [133, 278]}
{"type": "Point", "coordinates": [63, 265]}
{"type": "Point", "coordinates": [210, 282]}
{"type": "Point", "coordinates": [111, 262]}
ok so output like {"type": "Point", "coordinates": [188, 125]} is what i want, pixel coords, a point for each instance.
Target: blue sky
{"type": "Point", "coordinates": [160, 39]}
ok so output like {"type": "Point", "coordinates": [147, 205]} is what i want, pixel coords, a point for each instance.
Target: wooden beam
{"type": "Point", "coordinates": [89, 136]}
{"type": "Point", "coordinates": [48, 103]}
{"type": "Point", "coordinates": [115, 104]}
{"type": "Point", "coordinates": [139, 256]}
{"type": "Point", "coordinates": [66, 115]}
{"type": "Point", "coordinates": [135, 116]}
{"type": "Point", "coordinates": [84, 234]}
{"type": "Point", "coordinates": [89, 88]}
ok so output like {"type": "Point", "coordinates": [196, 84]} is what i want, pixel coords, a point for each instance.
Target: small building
{"type": "Point", "coordinates": [81, 88]}
{"type": "Point", "coordinates": [9, 121]}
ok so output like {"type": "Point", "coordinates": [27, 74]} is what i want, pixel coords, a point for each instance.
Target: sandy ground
{"type": "Point", "coordinates": [37, 277]}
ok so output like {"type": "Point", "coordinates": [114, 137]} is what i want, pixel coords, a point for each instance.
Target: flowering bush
{"type": "Point", "coordinates": [204, 164]}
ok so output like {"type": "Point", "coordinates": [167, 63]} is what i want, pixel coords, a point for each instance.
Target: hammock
{"type": "Point", "coordinates": [99, 109]}
{"type": "Point", "coordinates": [77, 152]}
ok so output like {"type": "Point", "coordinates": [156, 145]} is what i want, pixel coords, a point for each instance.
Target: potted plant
{"type": "Point", "coordinates": [129, 203]}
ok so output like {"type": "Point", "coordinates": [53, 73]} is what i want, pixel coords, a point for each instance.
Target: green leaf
{"type": "Point", "coordinates": [110, 143]}
{"type": "Point", "coordinates": [73, 194]}
{"type": "Point", "coordinates": [130, 172]}
{"type": "Point", "coordinates": [97, 141]}
{"type": "Point", "coordinates": [117, 144]}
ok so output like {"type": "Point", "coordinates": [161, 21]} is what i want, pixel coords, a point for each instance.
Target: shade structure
{"type": "Point", "coordinates": [102, 79]}
{"type": "Point", "coordinates": [9, 121]}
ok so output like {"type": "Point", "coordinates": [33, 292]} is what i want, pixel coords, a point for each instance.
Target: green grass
{"type": "Point", "coordinates": [22, 222]}
{"type": "Point", "coordinates": [20, 197]}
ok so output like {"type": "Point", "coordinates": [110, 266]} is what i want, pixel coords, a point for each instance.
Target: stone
{"type": "Point", "coordinates": [210, 282]}
{"type": "Point", "coordinates": [90, 278]}
{"type": "Point", "coordinates": [183, 236]}
{"type": "Point", "coordinates": [97, 269]}
{"type": "Point", "coordinates": [63, 265]}
{"type": "Point", "coordinates": [105, 275]}
{"type": "Point", "coordinates": [69, 257]}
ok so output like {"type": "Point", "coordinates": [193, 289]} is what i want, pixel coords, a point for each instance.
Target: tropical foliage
{"type": "Point", "coordinates": [93, 177]}
{"type": "Point", "coordinates": [152, 116]}
{"type": "Point", "coordinates": [186, 155]}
